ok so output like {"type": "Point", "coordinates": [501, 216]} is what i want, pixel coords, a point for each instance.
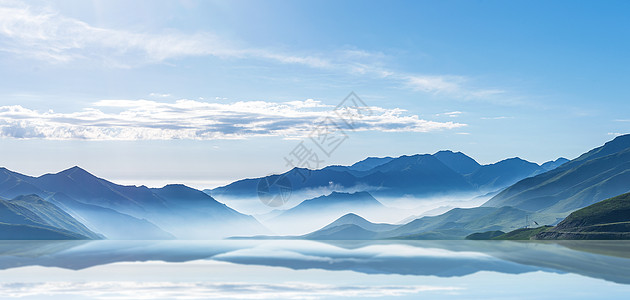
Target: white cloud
{"type": "Point", "coordinates": [496, 118]}
{"type": "Point", "coordinates": [616, 133]}
{"type": "Point", "coordinates": [46, 35]}
{"type": "Point", "coordinates": [191, 119]}
{"type": "Point", "coordinates": [452, 114]}
{"type": "Point", "coordinates": [447, 84]}
{"type": "Point", "coordinates": [209, 290]}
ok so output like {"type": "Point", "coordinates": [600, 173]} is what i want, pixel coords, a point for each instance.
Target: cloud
{"type": "Point", "coordinates": [616, 133]}
{"type": "Point", "coordinates": [45, 34]}
{"type": "Point", "coordinates": [209, 290]}
{"type": "Point", "coordinates": [452, 114]}
{"type": "Point", "coordinates": [197, 120]}
{"type": "Point", "coordinates": [496, 118]}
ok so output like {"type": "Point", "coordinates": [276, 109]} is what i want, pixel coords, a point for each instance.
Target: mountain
{"type": "Point", "coordinates": [140, 211]}
{"type": "Point", "coordinates": [200, 212]}
{"type": "Point", "coordinates": [354, 219]}
{"type": "Point", "coordinates": [369, 163]}
{"type": "Point", "coordinates": [32, 218]}
{"type": "Point", "coordinates": [599, 174]}
{"type": "Point", "coordinates": [342, 232]}
{"type": "Point", "coordinates": [460, 222]}
{"type": "Point", "coordinates": [608, 219]}
{"type": "Point", "coordinates": [459, 162]}
{"type": "Point", "coordinates": [457, 223]}
{"type": "Point", "coordinates": [335, 200]}
{"type": "Point", "coordinates": [315, 213]}
{"type": "Point", "coordinates": [502, 174]}
{"type": "Point", "coordinates": [550, 165]}
{"type": "Point", "coordinates": [52, 215]}
{"type": "Point", "coordinates": [420, 175]}
{"type": "Point", "coordinates": [111, 223]}
{"type": "Point", "coordinates": [416, 175]}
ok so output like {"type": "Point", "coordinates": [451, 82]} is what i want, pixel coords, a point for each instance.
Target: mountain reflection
{"type": "Point", "coordinates": [608, 260]}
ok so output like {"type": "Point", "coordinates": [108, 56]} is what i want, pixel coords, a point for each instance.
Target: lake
{"type": "Point", "coordinates": [299, 269]}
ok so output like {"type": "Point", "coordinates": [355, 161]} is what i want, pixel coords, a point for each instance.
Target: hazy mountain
{"type": "Point", "coordinates": [137, 209]}
{"type": "Point", "coordinates": [53, 215]}
{"type": "Point", "coordinates": [315, 213]}
{"type": "Point", "coordinates": [354, 219]}
{"type": "Point", "coordinates": [205, 217]}
{"type": "Point", "coordinates": [445, 172]}
{"type": "Point", "coordinates": [342, 232]}
{"type": "Point", "coordinates": [111, 223]}
{"type": "Point", "coordinates": [80, 185]}
{"type": "Point", "coordinates": [14, 184]}
{"type": "Point", "coordinates": [608, 219]}
{"type": "Point", "coordinates": [454, 224]}
{"type": "Point", "coordinates": [502, 174]}
{"type": "Point", "coordinates": [550, 165]}
{"type": "Point", "coordinates": [369, 163]}
{"type": "Point", "coordinates": [459, 162]}
{"type": "Point", "coordinates": [599, 174]}
{"type": "Point", "coordinates": [416, 175]}
{"type": "Point", "coordinates": [30, 217]}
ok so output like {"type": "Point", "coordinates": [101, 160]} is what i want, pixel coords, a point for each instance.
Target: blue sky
{"type": "Point", "coordinates": [206, 92]}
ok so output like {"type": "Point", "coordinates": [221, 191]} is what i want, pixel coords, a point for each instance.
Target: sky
{"type": "Point", "coordinates": [207, 92]}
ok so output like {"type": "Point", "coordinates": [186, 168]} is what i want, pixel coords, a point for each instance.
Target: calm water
{"type": "Point", "coordinates": [314, 270]}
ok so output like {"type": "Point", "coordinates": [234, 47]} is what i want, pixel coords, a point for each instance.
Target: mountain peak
{"type": "Point", "coordinates": [457, 161]}
{"type": "Point", "coordinates": [74, 170]}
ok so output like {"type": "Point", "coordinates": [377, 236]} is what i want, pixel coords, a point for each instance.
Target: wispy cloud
{"type": "Point", "coordinates": [496, 118]}
{"type": "Point", "coordinates": [616, 133]}
{"type": "Point", "coordinates": [452, 114]}
{"type": "Point", "coordinates": [209, 290]}
{"type": "Point", "coordinates": [191, 119]}
{"type": "Point", "coordinates": [45, 34]}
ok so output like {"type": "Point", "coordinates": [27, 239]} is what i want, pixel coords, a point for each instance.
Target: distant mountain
{"type": "Point", "coordinates": [599, 174]}
{"type": "Point", "coordinates": [457, 223]}
{"type": "Point", "coordinates": [459, 162]}
{"type": "Point", "coordinates": [416, 175]}
{"type": "Point", "coordinates": [317, 212]}
{"type": "Point", "coordinates": [460, 222]}
{"type": "Point", "coordinates": [608, 219]}
{"type": "Point", "coordinates": [369, 163]}
{"type": "Point", "coordinates": [354, 219]}
{"type": "Point", "coordinates": [342, 232]}
{"type": "Point", "coordinates": [504, 173]}
{"type": "Point", "coordinates": [550, 165]}
{"type": "Point", "coordinates": [111, 223]}
{"type": "Point", "coordinates": [138, 209]}
{"type": "Point", "coordinates": [32, 218]}
{"type": "Point", "coordinates": [444, 172]}
{"type": "Point", "coordinates": [52, 215]}
{"type": "Point", "coordinates": [204, 216]}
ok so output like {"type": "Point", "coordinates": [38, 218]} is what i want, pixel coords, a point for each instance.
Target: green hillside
{"type": "Point", "coordinates": [608, 219]}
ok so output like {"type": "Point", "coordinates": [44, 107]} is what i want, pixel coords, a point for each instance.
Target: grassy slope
{"type": "Point", "coordinates": [608, 219]}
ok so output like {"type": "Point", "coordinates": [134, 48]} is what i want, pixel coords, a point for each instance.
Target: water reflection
{"type": "Point", "coordinates": [609, 260]}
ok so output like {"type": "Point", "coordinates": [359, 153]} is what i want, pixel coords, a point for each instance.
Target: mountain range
{"type": "Point", "coordinates": [131, 212]}
{"type": "Point", "coordinates": [420, 175]}
{"type": "Point", "coordinates": [74, 204]}
{"type": "Point", "coordinates": [543, 199]}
